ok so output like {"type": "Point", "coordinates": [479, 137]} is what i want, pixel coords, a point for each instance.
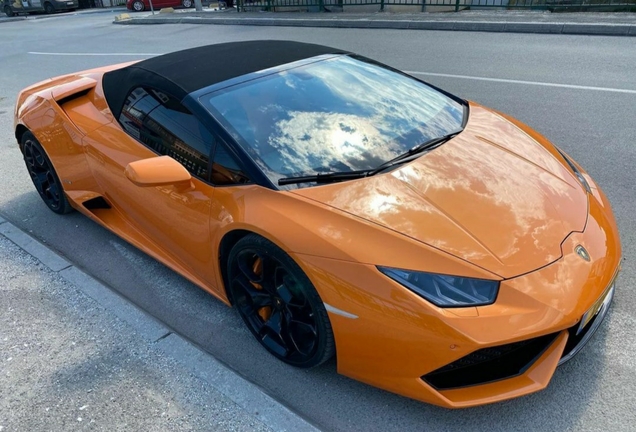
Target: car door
{"type": "Point", "coordinates": [158, 4]}
{"type": "Point", "coordinates": [174, 218]}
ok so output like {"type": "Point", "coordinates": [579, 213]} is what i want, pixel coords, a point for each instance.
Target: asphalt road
{"type": "Point", "coordinates": [595, 391]}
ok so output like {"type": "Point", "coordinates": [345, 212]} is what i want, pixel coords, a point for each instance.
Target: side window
{"type": "Point", "coordinates": [160, 122]}
{"type": "Point", "coordinates": [225, 169]}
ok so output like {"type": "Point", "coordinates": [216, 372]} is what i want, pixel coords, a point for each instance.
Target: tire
{"type": "Point", "coordinates": [138, 6]}
{"type": "Point", "coordinates": [8, 11]}
{"type": "Point", "coordinates": [48, 8]}
{"type": "Point", "coordinates": [187, 3]}
{"type": "Point", "coordinates": [43, 175]}
{"type": "Point", "coordinates": [278, 303]}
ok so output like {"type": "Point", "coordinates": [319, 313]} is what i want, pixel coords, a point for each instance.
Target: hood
{"type": "Point", "coordinates": [492, 196]}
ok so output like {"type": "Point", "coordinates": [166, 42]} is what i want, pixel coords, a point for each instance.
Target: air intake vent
{"type": "Point", "coordinates": [490, 364]}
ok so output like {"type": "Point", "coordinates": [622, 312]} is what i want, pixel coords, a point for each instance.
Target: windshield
{"type": "Point", "coordinates": [338, 115]}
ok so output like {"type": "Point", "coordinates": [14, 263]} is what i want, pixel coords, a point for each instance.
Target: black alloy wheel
{"type": "Point", "coordinates": [43, 175]}
{"type": "Point", "coordinates": [278, 303]}
{"type": "Point", "coordinates": [48, 8]}
{"type": "Point", "coordinates": [8, 11]}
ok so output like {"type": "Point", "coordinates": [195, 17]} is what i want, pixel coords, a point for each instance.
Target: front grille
{"type": "Point", "coordinates": [490, 364]}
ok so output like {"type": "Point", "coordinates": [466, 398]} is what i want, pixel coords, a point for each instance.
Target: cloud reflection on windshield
{"type": "Point", "coordinates": [336, 115]}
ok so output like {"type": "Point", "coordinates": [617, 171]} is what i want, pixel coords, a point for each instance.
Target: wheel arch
{"type": "Point", "coordinates": [225, 246]}
{"type": "Point", "coordinates": [227, 243]}
{"type": "Point", "coordinates": [20, 130]}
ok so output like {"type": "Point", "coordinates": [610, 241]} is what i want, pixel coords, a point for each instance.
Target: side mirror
{"type": "Point", "coordinates": [157, 171]}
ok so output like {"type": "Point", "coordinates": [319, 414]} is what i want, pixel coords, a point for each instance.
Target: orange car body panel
{"type": "Point", "coordinates": [496, 202]}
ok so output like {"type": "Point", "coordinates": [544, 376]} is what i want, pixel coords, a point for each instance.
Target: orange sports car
{"type": "Point", "coordinates": [441, 250]}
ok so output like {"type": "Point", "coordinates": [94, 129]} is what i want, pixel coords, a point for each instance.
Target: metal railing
{"type": "Point", "coordinates": [433, 5]}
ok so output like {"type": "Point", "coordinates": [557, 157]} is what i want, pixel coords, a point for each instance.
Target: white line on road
{"type": "Point", "coordinates": [94, 54]}
{"type": "Point", "coordinates": [502, 80]}
{"type": "Point", "coordinates": [535, 83]}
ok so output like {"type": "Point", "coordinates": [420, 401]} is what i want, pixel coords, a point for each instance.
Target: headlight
{"type": "Point", "coordinates": [446, 291]}
{"type": "Point", "coordinates": [575, 170]}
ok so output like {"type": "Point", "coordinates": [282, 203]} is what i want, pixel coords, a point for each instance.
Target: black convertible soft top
{"type": "Point", "coordinates": [182, 72]}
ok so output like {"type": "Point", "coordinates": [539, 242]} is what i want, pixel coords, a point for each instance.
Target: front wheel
{"type": "Point", "coordinates": [48, 8]}
{"type": "Point", "coordinates": [138, 6]}
{"type": "Point", "coordinates": [278, 303]}
{"type": "Point", "coordinates": [8, 11]}
{"type": "Point", "coordinates": [43, 175]}
{"type": "Point", "coordinates": [187, 3]}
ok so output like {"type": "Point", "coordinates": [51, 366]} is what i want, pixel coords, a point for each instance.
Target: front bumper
{"type": "Point", "coordinates": [576, 342]}
{"type": "Point", "coordinates": [392, 338]}
{"type": "Point", "coordinates": [512, 360]}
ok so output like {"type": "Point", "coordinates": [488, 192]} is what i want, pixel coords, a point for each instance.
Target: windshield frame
{"type": "Point", "coordinates": [202, 95]}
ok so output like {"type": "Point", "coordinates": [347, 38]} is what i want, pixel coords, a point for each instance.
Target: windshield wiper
{"type": "Point", "coordinates": [352, 175]}
{"type": "Point", "coordinates": [324, 178]}
{"type": "Point", "coordinates": [414, 151]}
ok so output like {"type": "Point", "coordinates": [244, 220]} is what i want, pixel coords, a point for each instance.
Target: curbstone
{"type": "Point", "coordinates": [242, 392]}
{"type": "Point", "coordinates": [529, 27]}
{"type": "Point", "coordinates": [596, 29]}
{"type": "Point", "coordinates": [431, 25]}
{"type": "Point", "coordinates": [223, 379]}
{"type": "Point", "coordinates": [149, 328]}
{"type": "Point", "coordinates": [12, 19]}
{"type": "Point", "coordinates": [45, 255]}
{"type": "Point", "coordinates": [479, 26]}
{"type": "Point", "coordinates": [608, 29]}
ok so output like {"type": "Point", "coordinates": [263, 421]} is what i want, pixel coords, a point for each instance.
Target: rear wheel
{"type": "Point", "coordinates": [278, 303]}
{"type": "Point", "coordinates": [43, 175]}
{"type": "Point", "coordinates": [187, 3]}
{"type": "Point", "coordinates": [8, 11]}
{"type": "Point", "coordinates": [48, 8]}
{"type": "Point", "coordinates": [138, 6]}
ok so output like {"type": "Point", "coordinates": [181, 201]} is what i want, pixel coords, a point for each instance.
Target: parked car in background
{"type": "Point", "coordinates": [141, 5]}
{"type": "Point", "coordinates": [16, 7]}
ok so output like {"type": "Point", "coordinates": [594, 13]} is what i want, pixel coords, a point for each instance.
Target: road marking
{"type": "Point", "coordinates": [94, 54]}
{"type": "Point", "coordinates": [502, 80]}
{"type": "Point", "coordinates": [535, 83]}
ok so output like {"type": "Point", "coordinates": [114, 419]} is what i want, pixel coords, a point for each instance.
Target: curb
{"type": "Point", "coordinates": [12, 19]}
{"type": "Point", "coordinates": [226, 381]}
{"type": "Point", "coordinates": [479, 26]}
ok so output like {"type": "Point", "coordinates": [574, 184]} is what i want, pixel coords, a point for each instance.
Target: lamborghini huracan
{"type": "Point", "coordinates": [438, 249]}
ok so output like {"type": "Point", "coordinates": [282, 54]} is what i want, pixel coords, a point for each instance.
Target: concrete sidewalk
{"type": "Point", "coordinates": [75, 356]}
{"type": "Point", "coordinates": [586, 23]}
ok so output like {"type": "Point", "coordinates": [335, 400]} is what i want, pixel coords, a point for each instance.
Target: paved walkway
{"type": "Point", "coordinates": [76, 356]}
{"type": "Point", "coordinates": [591, 23]}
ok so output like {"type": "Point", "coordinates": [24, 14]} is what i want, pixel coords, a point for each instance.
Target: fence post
{"type": "Point", "coordinates": [456, 5]}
